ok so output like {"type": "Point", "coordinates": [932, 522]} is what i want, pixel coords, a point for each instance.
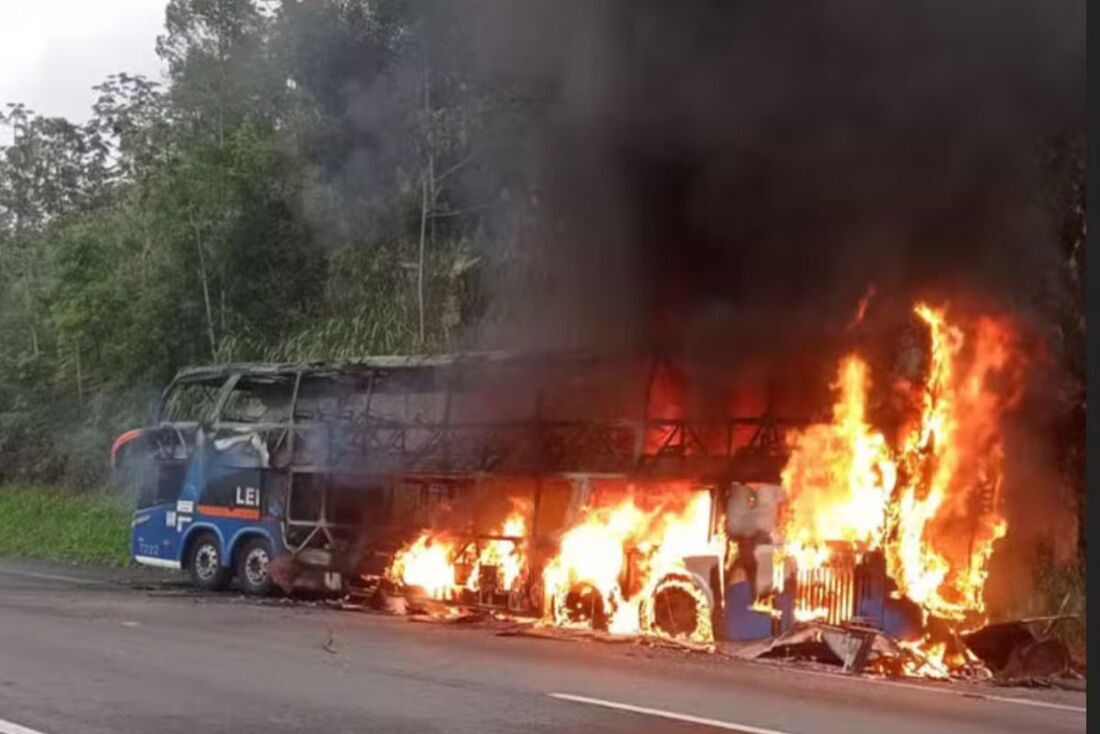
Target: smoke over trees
{"type": "Point", "coordinates": [336, 178]}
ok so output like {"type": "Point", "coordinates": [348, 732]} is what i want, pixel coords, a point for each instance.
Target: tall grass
{"type": "Point", "coordinates": [47, 523]}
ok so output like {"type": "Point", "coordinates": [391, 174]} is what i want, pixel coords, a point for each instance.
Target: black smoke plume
{"type": "Point", "coordinates": [697, 173]}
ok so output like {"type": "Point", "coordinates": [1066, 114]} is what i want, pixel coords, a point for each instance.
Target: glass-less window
{"type": "Point", "coordinates": [161, 484]}
{"type": "Point", "coordinates": [259, 399]}
{"type": "Point", "coordinates": [154, 466]}
{"type": "Point", "coordinates": [330, 399]}
{"type": "Point", "coordinates": [192, 402]}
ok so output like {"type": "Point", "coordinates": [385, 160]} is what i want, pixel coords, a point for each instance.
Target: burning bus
{"type": "Point", "coordinates": [593, 491]}
{"type": "Point", "coordinates": [327, 472]}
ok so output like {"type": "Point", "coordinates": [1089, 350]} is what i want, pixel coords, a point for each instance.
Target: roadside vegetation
{"type": "Point", "coordinates": [50, 524]}
{"type": "Point", "coordinates": [243, 210]}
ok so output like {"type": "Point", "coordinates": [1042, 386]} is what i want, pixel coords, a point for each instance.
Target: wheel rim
{"type": "Point", "coordinates": [255, 566]}
{"type": "Point", "coordinates": [206, 561]}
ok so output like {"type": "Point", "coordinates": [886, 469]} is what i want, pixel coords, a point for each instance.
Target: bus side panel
{"type": "Point", "coordinates": [230, 532]}
{"type": "Point", "coordinates": [156, 530]}
{"type": "Point", "coordinates": [228, 501]}
{"type": "Point", "coordinates": [155, 536]}
{"type": "Point", "coordinates": [241, 501]}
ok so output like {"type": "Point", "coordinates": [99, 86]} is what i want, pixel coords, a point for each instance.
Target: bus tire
{"type": "Point", "coordinates": [204, 560]}
{"type": "Point", "coordinates": [253, 575]}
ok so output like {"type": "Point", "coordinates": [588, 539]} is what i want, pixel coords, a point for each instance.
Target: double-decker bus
{"type": "Point", "coordinates": [312, 475]}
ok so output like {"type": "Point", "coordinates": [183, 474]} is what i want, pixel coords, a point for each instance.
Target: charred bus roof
{"type": "Point", "coordinates": [366, 365]}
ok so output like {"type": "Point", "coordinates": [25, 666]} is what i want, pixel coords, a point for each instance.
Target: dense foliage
{"type": "Point", "coordinates": [286, 194]}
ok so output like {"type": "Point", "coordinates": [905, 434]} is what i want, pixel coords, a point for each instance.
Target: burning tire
{"type": "Point", "coordinates": [680, 607]}
{"type": "Point", "coordinates": [581, 606]}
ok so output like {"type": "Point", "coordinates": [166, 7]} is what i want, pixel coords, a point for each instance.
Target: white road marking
{"type": "Point", "coordinates": [714, 723]}
{"type": "Point", "coordinates": [1041, 704]}
{"type": "Point", "coordinates": [10, 727]}
{"type": "Point", "coordinates": [52, 577]}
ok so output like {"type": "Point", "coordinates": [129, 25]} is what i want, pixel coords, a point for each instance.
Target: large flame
{"type": "Point", "coordinates": [841, 474]}
{"type": "Point", "coordinates": [645, 537]}
{"type": "Point", "coordinates": [948, 513]}
{"type": "Point", "coordinates": [426, 563]}
{"type": "Point", "coordinates": [503, 553]}
{"type": "Point", "coordinates": [429, 562]}
{"type": "Point", "coordinates": [931, 501]}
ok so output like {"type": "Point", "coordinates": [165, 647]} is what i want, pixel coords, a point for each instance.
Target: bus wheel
{"type": "Point", "coordinates": [252, 567]}
{"type": "Point", "coordinates": [204, 561]}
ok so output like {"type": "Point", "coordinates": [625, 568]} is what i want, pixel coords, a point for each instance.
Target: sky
{"type": "Point", "coordinates": [53, 51]}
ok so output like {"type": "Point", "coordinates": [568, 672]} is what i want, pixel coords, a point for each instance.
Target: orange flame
{"type": "Point", "coordinates": [426, 563]}
{"type": "Point", "coordinates": [948, 514]}
{"type": "Point", "coordinates": [505, 555]}
{"type": "Point", "coordinates": [840, 475]}
{"type": "Point", "coordinates": [622, 538]}
{"type": "Point", "coordinates": [932, 502]}
{"type": "Point", "coordinates": [429, 561]}
{"type": "Point", "coordinates": [861, 309]}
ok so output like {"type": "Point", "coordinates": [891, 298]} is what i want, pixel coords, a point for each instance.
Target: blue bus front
{"type": "Point", "coordinates": [206, 493]}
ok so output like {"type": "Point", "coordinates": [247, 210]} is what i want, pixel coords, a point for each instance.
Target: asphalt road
{"type": "Point", "coordinates": [83, 653]}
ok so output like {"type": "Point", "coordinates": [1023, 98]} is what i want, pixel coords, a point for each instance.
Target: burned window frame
{"type": "Point", "coordinates": [214, 384]}
{"type": "Point", "coordinates": [289, 378]}
{"type": "Point", "coordinates": [345, 387]}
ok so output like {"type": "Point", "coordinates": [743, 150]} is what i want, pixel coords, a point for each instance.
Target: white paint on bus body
{"type": "Point", "coordinates": [157, 562]}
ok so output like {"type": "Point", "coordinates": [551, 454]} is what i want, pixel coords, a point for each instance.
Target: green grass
{"type": "Point", "coordinates": [50, 524]}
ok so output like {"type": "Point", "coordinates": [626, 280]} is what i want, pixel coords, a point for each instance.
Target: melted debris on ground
{"type": "Point", "coordinates": [1014, 653]}
{"type": "Point", "coordinates": [1019, 653]}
